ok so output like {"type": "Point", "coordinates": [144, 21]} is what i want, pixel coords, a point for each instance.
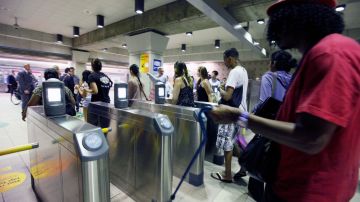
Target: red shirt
{"type": "Point", "coordinates": [327, 86]}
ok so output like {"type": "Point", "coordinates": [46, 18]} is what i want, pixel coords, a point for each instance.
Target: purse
{"type": "Point", "coordinates": [261, 156]}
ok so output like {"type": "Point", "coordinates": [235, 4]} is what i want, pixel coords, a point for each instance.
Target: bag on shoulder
{"type": "Point", "coordinates": [261, 156]}
{"type": "Point", "coordinates": [236, 98]}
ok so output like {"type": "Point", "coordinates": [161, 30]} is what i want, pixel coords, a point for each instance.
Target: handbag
{"type": "Point", "coordinates": [236, 98]}
{"type": "Point", "coordinates": [261, 156]}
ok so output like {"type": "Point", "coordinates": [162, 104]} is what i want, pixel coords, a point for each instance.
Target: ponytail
{"type": "Point", "coordinates": [135, 69]}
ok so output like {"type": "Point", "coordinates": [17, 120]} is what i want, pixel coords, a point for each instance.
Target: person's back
{"type": "Point", "coordinates": [186, 95]}
{"type": "Point", "coordinates": [134, 88]}
{"type": "Point", "coordinates": [103, 84]}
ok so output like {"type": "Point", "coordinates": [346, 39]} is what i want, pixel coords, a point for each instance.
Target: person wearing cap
{"type": "Point", "coordinates": [317, 126]}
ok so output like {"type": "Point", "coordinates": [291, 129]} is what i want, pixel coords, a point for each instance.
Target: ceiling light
{"type": "Point", "coordinates": [76, 31]}
{"type": "Point", "coordinates": [124, 45]}
{"type": "Point", "coordinates": [261, 21]}
{"type": "Point", "coordinates": [183, 47]}
{"type": "Point", "coordinates": [340, 8]}
{"type": "Point", "coordinates": [217, 43]}
{"type": "Point", "coordinates": [139, 6]}
{"type": "Point", "coordinates": [104, 49]}
{"type": "Point", "coordinates": [59, 38]}
{"type": "Point", "coordinates": [273, 42]}
{"type": "Point", "coordinates": [100, 21]}
{"type": "Point", "coordinates": [256, 43]}
{"type": "Point", "coordinates": [188, 33]}
{"type": "Point", "coordinates": [238, 26]}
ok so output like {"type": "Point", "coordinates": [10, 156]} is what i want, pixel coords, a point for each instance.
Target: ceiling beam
{"type": "Point", "coordinates": [218, 14]}
{"type": "Point", "coordinates": [173, 18]}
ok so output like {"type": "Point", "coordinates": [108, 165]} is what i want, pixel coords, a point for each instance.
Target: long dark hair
{"type": "Point", "coordinates": [282, 61]}
{"type": "Point", "coordinates": [96, 65]}
{"type": "Point", "coordinates": [315, 21]}
{"type": "Point", "coordinates": [181, 70]}
{"type": "Point", "coordinates": [85, 75]}
{"type": "Point", "coordinates": [135, 70]}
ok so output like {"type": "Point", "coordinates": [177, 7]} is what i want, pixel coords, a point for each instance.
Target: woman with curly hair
{"type": "Point", "coordinates": [317, 126]}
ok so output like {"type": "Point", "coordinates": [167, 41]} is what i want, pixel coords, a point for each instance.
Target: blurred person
{"type": "Point", "coordinates": [234, 95]}
{"type": "Point", "coordinates": [203, 87]}
{"type": "Point", "coordinates": [36, 97]}
{"type": "Point", "coordinates": [11, 80]}
{"type": "Point", "coordinates": [317, 126]}
{"type": "Point", "coordinates": [99, 83]}
{"type": "Point", "coordinates": [183, 86]}
{"type": "Point", "coordinates": [214, 81]}
{"type": "Point", "coordinates": [161, 77]}
{"type": "Point", "coordinates": [135, 86]}
{"type": "Point", "coordinates": [57, 70]}
{"type": "Point", "coordinates": [26, 83]}
{"type": "Point", "coordinates": [274, 83]}
{"type": "Point", "coordinates": [66, 73]}
{"type": "Point", "coordinates": [83, 88]}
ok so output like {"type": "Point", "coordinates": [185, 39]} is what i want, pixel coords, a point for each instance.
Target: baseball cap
{"type": "Point", "coordinates": [329, 3]}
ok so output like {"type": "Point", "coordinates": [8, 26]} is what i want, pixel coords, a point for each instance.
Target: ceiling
{"type": "Point", "coordinates": [59, 16]}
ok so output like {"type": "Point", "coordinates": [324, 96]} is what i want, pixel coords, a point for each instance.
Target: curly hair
{"type": "Point", "coordinates": [314, 21]}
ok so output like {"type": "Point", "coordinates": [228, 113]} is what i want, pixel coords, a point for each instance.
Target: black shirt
{"type": "Point", "coordinates": [103, 84]}
{"type": "Point", "coordinates": [69, 82]}
{"type": "Point", "coordinates": [201, 94]}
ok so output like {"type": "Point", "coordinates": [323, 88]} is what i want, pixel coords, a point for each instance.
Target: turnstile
{"type": "Point", "coordinates": [187, 137]}
{"type": "Point", "coordinates": [71, 163]}
{"type": "Point", "coordinates": [140, 150]}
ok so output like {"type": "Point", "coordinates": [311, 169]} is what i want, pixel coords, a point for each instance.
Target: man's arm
{"type": "Point", "coordinates": [226, 95]}
{"type": "Point", "coordinates": [308, 134]}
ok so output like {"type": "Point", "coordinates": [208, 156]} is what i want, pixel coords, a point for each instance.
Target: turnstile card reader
{"type": "Point", "coordinates": [53, 97]}
{"type": "Point", "coordinates": [72, 162]}
{"type": "Point", "coordinates": [121, 95]}
{"type": "Point", "coordinates": [159, 93]}
{"type": "Point", "coordinates": [186, 139]}
{"type": "Point", "coordinates": [140, 150]}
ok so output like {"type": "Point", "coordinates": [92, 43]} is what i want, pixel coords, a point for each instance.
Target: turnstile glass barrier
{"type": "Point", "coordinates": [140, 150]}
{"type": "Point", "coordinates": [71, 163]}
{"type": "Point", "coordinates": [187, 137]}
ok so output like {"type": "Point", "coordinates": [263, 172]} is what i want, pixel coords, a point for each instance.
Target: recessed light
{"type": "Point", "coordinates": [104, 49]}
{"type": "Point", "coordinates": [261, 21]}
{"type": "Point", "coordinates": [340, 8]}
{"type": "Point", "coordinates": [183, 47]}
{"type": "Point", "coordinates": [188, 33]}
{"type": "Point", "coordinates": [124, 45]}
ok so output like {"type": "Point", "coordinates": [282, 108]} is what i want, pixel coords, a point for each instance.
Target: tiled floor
{"type": "Point", "coordinates": [13, 131]}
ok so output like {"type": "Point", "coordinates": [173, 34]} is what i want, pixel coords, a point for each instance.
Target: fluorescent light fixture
{"type": "Point", "coordinates": [260, 21]}
{"type": "Point", "coordinates": [256, 43]}
{"type": "Point", "coordinates": [248, 37]}
{"type": "Point", "coordinates": [76, 31]}
{"type": "Point", "coordinates": [100, 21]}
{"type": "Point", "coordinates": [238, 26]}
{"type": "Point", "coordinates": [188, 33]}
{"type": "Point", "coordinates": [340, 8]}
{"type": "Point", "coordinates": [217, 43]}
{"type": "Point", "coordinates": [263, 51]}
{"type": "Point", "coordinates": [183, 47]}
{"type": "Point", "coordinates": [139, 6]}
{"type": "Point", "coordinates": [124, 45]}
{"type": "Point", "coordinates": [59, 38]}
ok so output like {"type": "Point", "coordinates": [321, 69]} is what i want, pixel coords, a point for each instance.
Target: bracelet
{"type": "Point", "coordinates": [244, 119]}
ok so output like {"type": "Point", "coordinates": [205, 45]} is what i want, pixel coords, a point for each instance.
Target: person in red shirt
{"type": "Point", "coordinates": [318, 124]}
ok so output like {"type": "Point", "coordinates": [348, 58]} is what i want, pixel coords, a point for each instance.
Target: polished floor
{"type": "Point", "coordinates": [13, 132]}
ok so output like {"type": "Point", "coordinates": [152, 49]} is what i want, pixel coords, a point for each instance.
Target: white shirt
{"type": "Point", "coordinates": [214, 84]}
{"type": "Point", "coordinates": [239, 77]}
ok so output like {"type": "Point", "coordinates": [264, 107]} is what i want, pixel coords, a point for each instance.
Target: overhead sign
{"type": "Point", "coordinates": [156, 65]}
{"type": "Point", "coordinates": [144, 63]}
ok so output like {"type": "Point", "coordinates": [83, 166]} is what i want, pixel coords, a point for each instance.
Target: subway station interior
{"type": "Point", "coordinates": [125, 135]}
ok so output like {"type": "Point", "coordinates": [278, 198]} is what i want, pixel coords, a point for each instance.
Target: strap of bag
{"type": "Point", "coordinates": [274, 81]}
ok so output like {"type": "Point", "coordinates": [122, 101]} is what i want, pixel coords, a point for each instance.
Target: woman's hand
{"type": "Point", "coordinates": [225, 114]}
